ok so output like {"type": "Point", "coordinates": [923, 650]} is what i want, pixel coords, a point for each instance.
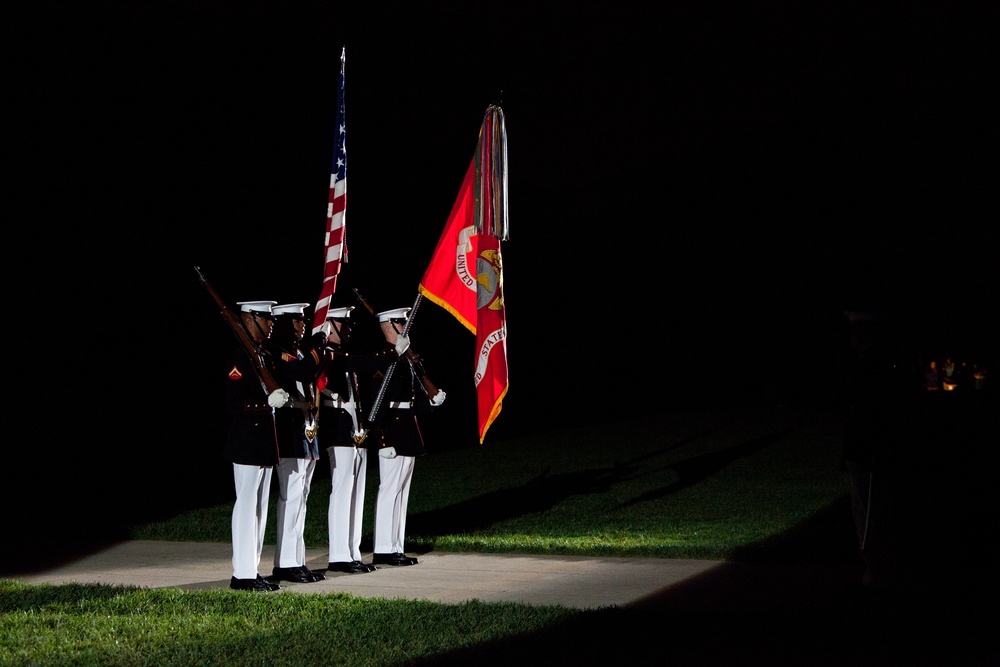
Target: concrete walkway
{"type": "Point", "coordinates": [571, 581]}
{"type": "Point", "coordinates": [439, 577]}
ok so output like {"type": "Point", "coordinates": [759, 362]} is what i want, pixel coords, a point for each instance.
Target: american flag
{"type": "Point", "coordinates": [335, 248]}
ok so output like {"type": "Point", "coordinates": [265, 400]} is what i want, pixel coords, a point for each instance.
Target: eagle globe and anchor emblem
{"type": "Point", "coordinates": [488, 272]}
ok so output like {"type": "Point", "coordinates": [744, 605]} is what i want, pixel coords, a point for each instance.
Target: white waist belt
{"type": "Point", "coordinates": [399, 404]}
{"type": "Point", "coordinates": [334, 400]}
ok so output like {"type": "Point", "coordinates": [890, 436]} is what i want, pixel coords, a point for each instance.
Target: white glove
{"type": "Point", "coordinates": [387, 452]}
{"type": "Point", "coordinates": [402, 344]}
{"type": "Point", "coordinates": [277, 398]}
{"type": "Point", "coordinates": [326, 328]}
{"type": "Point", "coordinates": [438, 398]}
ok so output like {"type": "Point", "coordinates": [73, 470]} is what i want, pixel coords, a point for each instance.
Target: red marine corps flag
{"type": "Point", "coordinates": [334, 246]}
{"type": "Point", "coordinates": [465, 275]}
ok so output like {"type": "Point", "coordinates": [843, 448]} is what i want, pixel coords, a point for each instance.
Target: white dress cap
{"type": "Point", "coordinates": [290, 309]}
{"type": "Point", "coordinates": [393, 315]}
{"type": "Point", "coordinates": [256, 306]}
{"type": "Point", "coordinates": [339, 313]}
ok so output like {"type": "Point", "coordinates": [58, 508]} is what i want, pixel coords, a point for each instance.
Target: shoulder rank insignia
{"type": "Point", "coordinates": [235, 374]}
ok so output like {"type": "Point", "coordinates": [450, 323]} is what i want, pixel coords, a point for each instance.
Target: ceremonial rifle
{"type": "Point", "coordinates": [429, 388]}
{"type": "Point", "coordinates": [254, 350]}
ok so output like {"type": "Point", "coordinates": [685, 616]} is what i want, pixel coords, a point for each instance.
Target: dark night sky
{"type": "Point", "coordinates": [695, 195]}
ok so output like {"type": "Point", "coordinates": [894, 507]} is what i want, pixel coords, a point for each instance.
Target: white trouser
{"type": "Point", "coordinates": [395, 476]}
{"type": "Point", "coordinates": [348, 470]}
{"type": "Point", "coordinates": [294, 478]}
{"type": "Point", "coordinates": [253, 487]}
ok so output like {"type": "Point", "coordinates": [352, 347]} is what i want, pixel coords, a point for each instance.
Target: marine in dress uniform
{"type": "Point", "coordinates": [397, 438]}
{"type": "Point", "coordinates": [251, 446]}
{"type": "Point", "coordinates": [296, 424]}
{"type": "Point", "coordinates": [343, 434]}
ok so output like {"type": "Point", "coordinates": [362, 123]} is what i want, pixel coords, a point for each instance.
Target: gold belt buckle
{"type": "Point", "coordinates": [311, 431]}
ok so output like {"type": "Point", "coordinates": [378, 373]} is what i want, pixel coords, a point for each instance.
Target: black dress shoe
{"type": "Point", "coordinates": [306, 572]}
{"type": "Point", "coordinates": [258, 584]}
{"type": "Point", "coordinates": [296, 575]}
{"type": "Point", "coordinates": [351, 567]}
{"type": "Point", "coordinates": [316, 576]}
{"type": "Point", "coordinates": [393, 559]}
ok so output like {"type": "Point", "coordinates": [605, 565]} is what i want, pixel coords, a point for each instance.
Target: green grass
{"type": "Point", "coordinates": [693, 486]}
{"type": "Point", "coordinates": [107, 625]}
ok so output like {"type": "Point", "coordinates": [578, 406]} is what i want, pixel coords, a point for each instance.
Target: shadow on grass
{"type": "Point", "coordinates": [546, 491]}
{"type": "Point", "coordinates": [697, 469]}
{"type": "Point", "coordinates": [538, 495]}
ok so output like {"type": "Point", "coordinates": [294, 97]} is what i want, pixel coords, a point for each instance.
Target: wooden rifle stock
{"type": "Point", "coordinates": [267, 380]}
{"type": "Point", "coordinates": [429, 387]}
{"type": "Point", "coordinates": [418, 366]}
